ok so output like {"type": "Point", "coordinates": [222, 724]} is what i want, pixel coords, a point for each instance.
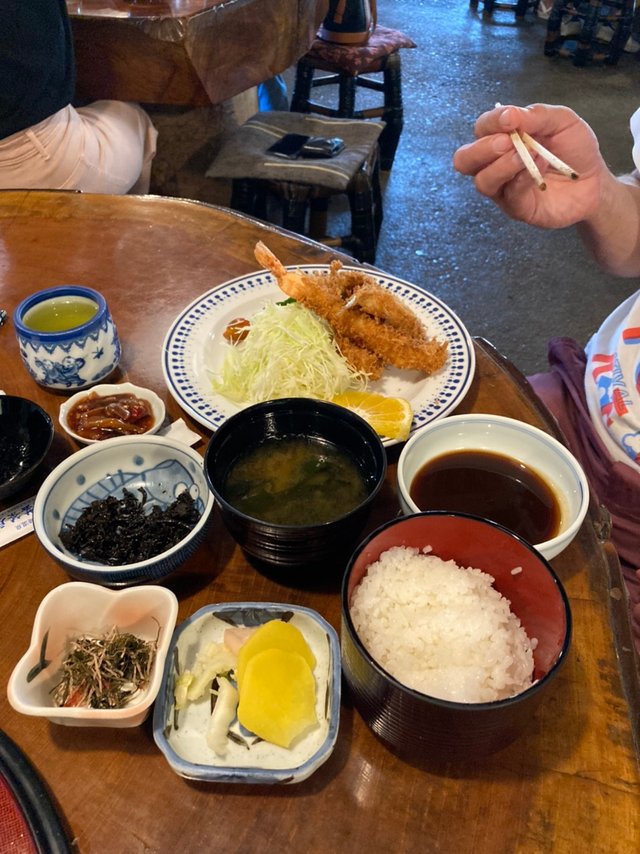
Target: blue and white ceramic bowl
{"type": "Point", "coordinates": [163, 467]}
{"type": "Point", "coordinates": [182, 738]}
{"type": "Point", "coordinates": [75, 358]}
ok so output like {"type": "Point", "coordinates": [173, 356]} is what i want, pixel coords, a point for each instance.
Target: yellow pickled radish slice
{"type": "Point", "coordinates": [389, 416]}
{"type": "Point", "coordinates": [278, 696]}
{"type": "Point", "coordinates": [276, 634]}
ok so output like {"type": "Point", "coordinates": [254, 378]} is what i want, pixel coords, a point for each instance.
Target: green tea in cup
{"type": "Point", "coordinates": [67, 337]}
{"type": "Point", "coordinates": [60, 313]}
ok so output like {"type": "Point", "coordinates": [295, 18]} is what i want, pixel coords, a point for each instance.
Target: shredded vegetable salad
{"type": "Point", "coordinates": [289, 352]}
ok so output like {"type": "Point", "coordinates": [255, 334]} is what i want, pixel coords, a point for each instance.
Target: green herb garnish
{"type": "Point", "coordinates": [104, 672]}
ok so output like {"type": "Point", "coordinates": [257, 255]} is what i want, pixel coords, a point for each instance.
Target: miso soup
{"type": "Point", "coordinates": [295, 481]}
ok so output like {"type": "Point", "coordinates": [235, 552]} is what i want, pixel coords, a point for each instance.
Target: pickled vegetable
{"type": "Point", "coordinates": [275, 634]}
{"type": "Point", "coordinates": [278, 696]}
{"type": "Point", "coordinates": [222, 717]}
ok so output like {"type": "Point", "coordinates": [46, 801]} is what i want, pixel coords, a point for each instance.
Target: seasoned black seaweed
{"type": "Point", "coordinates": [117, 531]}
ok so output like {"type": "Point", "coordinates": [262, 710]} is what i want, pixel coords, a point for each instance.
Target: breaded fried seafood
{"type": "Point", "coordinates": [371, 326]}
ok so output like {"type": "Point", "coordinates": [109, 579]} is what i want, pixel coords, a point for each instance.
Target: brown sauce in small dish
{"type": "Point", "coordinates": [103, 416]}
{"type": "Point", "coordinates": [493, 486]}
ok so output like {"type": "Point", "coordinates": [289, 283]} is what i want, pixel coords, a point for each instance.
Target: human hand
{"type": "Point", "coordinates": [499, 172]}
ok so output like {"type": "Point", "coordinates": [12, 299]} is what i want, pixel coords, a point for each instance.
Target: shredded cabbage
{"type": "Point", "coordinates": [289, 352]}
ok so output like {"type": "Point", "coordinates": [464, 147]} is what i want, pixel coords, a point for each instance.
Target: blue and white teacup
{"type": "Point", "coordinates": [67, 338]}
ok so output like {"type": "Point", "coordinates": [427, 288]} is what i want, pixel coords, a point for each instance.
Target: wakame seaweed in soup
{"type": "Point", "coordinates": [295, 481]}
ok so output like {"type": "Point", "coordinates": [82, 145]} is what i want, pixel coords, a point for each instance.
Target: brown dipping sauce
{"type": "Point", "coordinates": [489, 485]}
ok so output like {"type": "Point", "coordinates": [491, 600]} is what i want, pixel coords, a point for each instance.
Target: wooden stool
{"type": "Point", "coordinates": [304, 187]}
{"type": "Point", "coordinates": [615, 15]}
{"type": "Point", "coordinates": [348, 67]}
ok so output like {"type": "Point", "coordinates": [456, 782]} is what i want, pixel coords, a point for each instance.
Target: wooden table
{"type": "Point", "coordinates": [571, 784]}
{"type": "Point", "coordinates": [188, 52]}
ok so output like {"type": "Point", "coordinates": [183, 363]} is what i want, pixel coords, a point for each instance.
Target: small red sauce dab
{"type": "Point", "coordinates": [237, 330]}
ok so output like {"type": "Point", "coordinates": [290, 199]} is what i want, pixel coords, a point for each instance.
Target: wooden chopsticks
{"type": "Point", "coordinates": [523, 143]}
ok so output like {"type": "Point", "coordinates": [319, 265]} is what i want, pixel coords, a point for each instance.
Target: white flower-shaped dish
{"type": "Point", "coordinates": [78, 608]}
{"type": "Point", "coordinates": [156, 404]}
{"type": "Point", "coordinates": [181, 736]}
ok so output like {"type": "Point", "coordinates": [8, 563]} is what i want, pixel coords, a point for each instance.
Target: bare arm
{"type": "Point", "coordinates": [612, 233]}
{"type": "Point", "coordinates": [605, 209]}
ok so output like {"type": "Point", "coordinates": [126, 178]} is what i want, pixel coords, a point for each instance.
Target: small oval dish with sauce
{"type": "Point", "coordinates": [110, 410]}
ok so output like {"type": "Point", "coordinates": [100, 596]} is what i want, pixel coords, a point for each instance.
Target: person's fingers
{"type": "Point", "coordinates": [501, 174]}
{"type": "Point", "coordinates": [536, 118]}
{"type": "Point", "coordinates": [490, 170]}
{"type": "Point", "coordinates": [502, 119]}
{"type": "Point", "coordinates": [472, 158]}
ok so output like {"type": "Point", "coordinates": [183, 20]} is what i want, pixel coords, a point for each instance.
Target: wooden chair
{"type": "Point", "coordinates": [590, 47]}
{"type": "Point", "coordinates": [350, 67]}
{"type": "Point", "coordinates": [302, 188]}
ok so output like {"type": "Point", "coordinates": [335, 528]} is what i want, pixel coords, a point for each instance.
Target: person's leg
{"type": "Point", "coordinates": [106, 147]}
{"type": "Point", "coordinates": [120, 145]}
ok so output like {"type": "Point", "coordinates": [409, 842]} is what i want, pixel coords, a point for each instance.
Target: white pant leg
{"type": "Point", "coordinates": [105, 147]}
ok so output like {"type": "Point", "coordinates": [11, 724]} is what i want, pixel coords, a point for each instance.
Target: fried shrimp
{"type": "Point", "coordinates": [360, 358]}
{"type": "Point", "coordinates": [372, 327]}
{"type": "Point", "coordinates": [383, 305]}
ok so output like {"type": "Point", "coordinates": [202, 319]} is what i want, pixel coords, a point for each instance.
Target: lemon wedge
{"type": "Point", "coordinates": [390, 417]}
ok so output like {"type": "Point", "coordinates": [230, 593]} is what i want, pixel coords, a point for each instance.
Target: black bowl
{"type": "Point", "coordinates": [420, 727]}
{"type": "Point", "coordinates": [26, 433]}
{"type": "Point", "coordinates": [293, 546]}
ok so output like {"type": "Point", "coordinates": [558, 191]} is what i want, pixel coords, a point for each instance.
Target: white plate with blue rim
{"type": "Point", "coordinates": [194, 349]}
{"type": "Point", "coordinates": [181, 735]}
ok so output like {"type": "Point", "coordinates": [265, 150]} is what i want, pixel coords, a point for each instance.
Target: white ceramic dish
{"type": "Point", "coordinates": [185, 747]}
{"type": "Point", "coordinates": [163, 467]}
{"type": "Point", "coordinates": [157, 406]}
{"type": "Point", "coordinates": [194, 349]}
{"type": "Point", "coordinates": [78, 608]}
{"type": "Point", "coordinates": [512, 438]}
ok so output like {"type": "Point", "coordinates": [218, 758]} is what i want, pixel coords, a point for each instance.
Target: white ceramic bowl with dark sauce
{"type": "Point", "coordinates": [164, 468]}
{"type": "Point", "coordinates": [525, 445]}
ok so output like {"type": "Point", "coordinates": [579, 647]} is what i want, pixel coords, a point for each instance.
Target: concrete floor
{"type": "Point", "coordinates": [515, 285]}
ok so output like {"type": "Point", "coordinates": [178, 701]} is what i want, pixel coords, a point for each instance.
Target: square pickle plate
{"type": "Point", "coordinates": [181, 736]}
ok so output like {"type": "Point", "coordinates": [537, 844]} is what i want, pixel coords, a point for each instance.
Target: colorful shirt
{"type": "Point", "coordinates": [612, 381]}
{"type": "Point", "coordinates": [612, 377]}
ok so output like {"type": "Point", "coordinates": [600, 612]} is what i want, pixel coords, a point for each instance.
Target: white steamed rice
{"type": "Point", "coordinates": [441, 629]}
